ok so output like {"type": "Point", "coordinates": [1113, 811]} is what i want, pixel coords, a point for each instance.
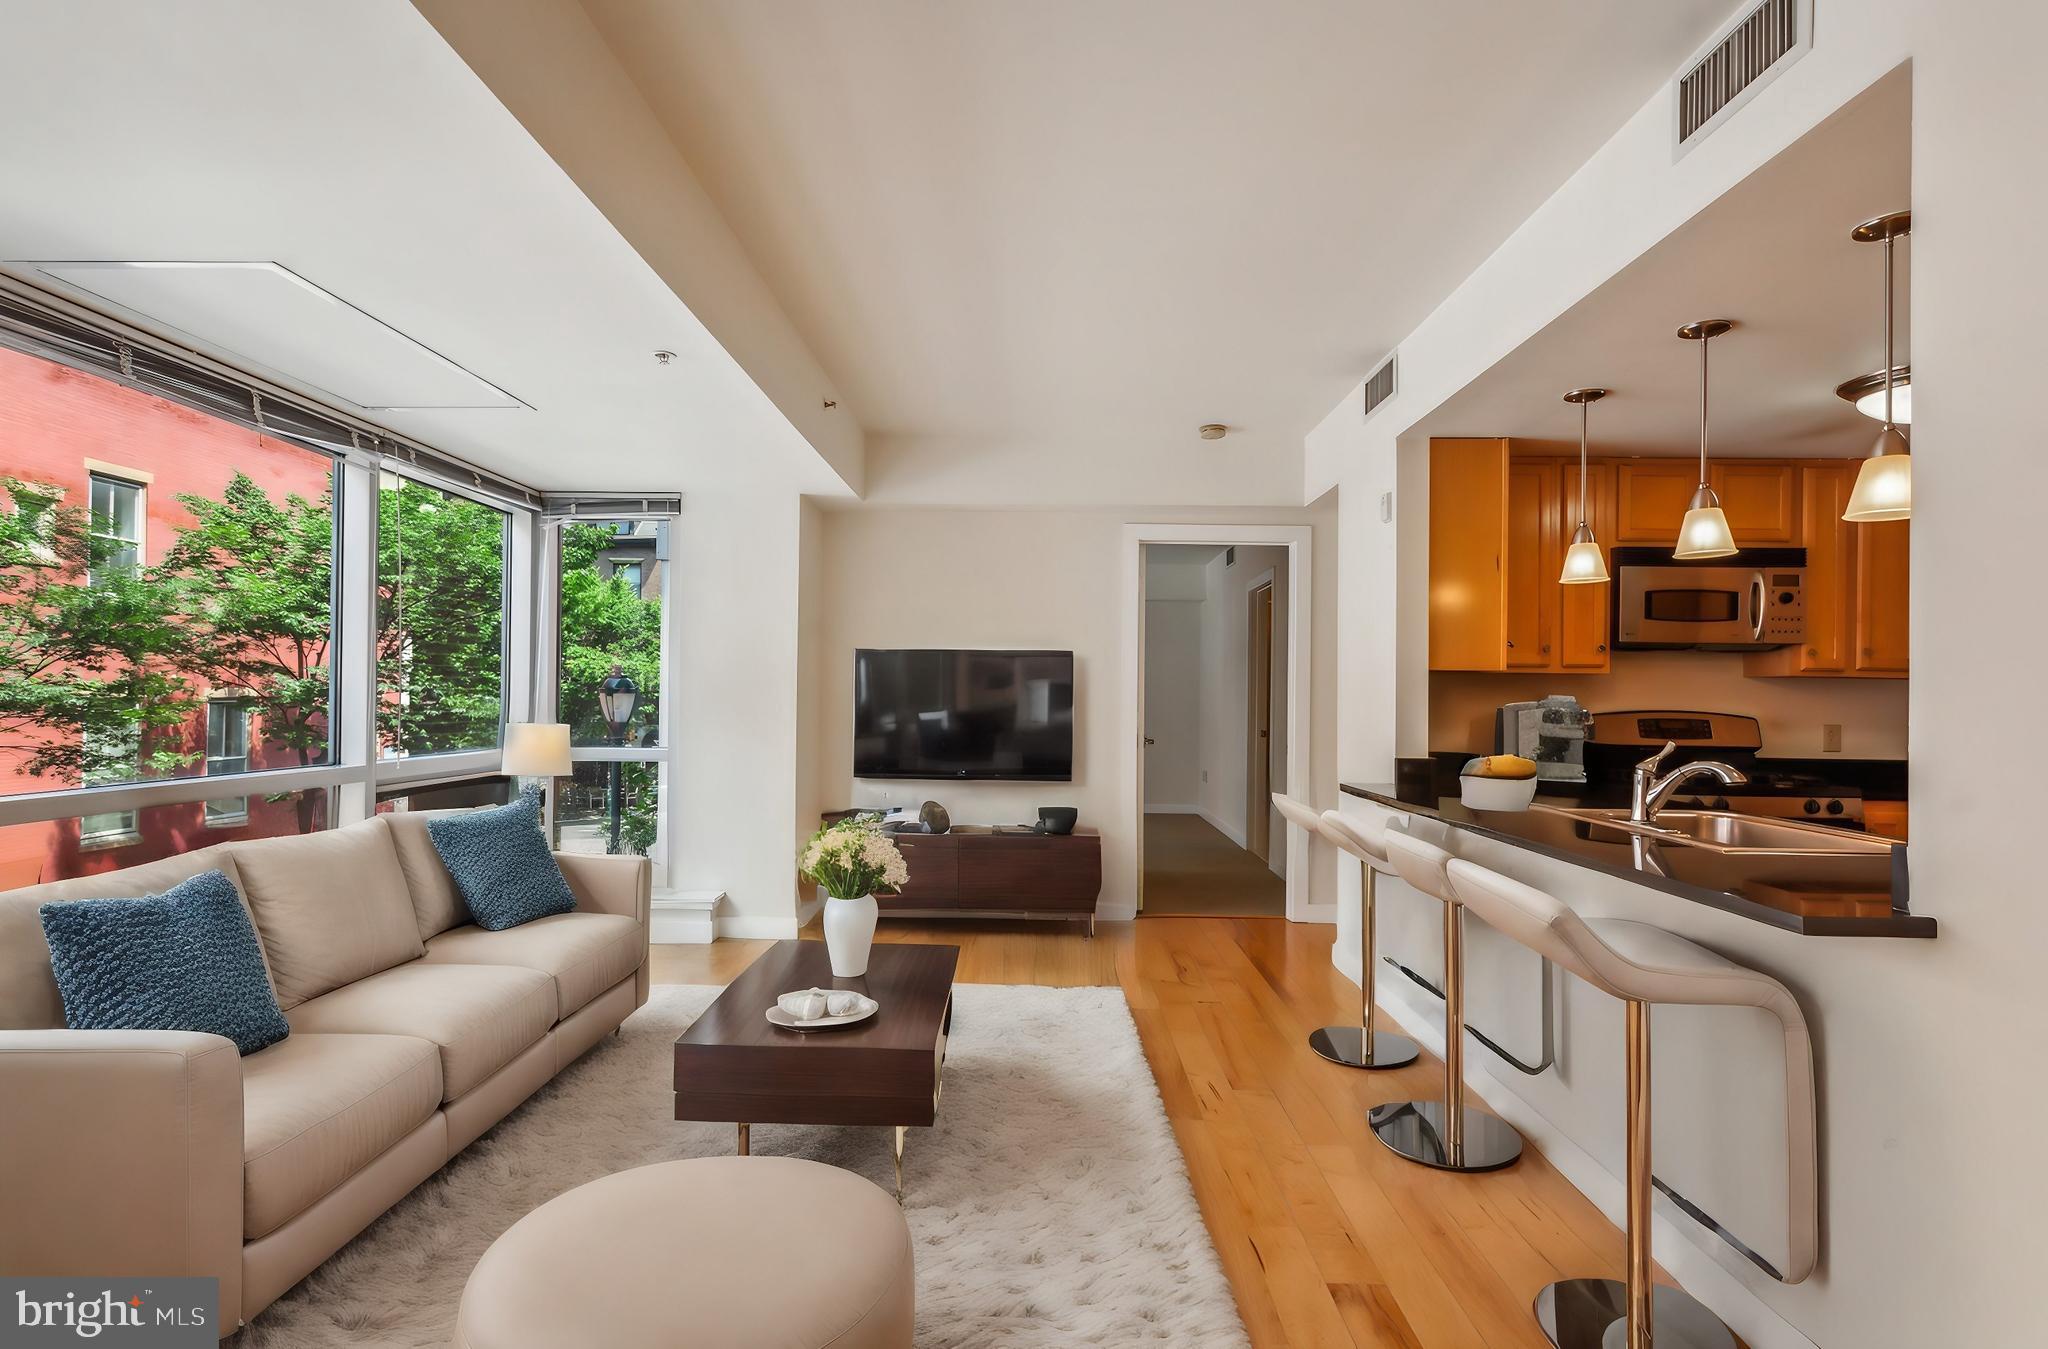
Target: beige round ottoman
{"type": "Point", "coordinates": [712, 1253]}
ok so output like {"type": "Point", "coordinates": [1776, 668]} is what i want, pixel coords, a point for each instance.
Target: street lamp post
{"type": "Point", "coordinates": [616, 697]}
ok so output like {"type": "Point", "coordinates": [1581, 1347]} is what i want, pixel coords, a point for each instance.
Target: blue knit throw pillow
{"type": "Point", "coordinates": [502, 864]}
{"type": "Point", "coordinates": [186, 959]}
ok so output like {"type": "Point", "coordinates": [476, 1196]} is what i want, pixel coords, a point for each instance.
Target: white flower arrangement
{"type": "Point", "coordinates": [853, 857]}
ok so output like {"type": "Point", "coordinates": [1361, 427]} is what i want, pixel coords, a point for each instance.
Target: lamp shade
{"type": "Point", "coordinates": [1704, 533]}
{"type": "Point", "coordinates": [537, 749]}
{"type": "Point", "coordinates": [1583, 565]}
{"type": "Point", "coordinates": [1884, 489]}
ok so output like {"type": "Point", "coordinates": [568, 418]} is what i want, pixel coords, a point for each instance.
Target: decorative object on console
{"type": "Point", "coordinates": [502, 865]}
{"type": "Point", "coordinates": [1057, 819]}
{"type": "Point", "coordinates": [1884, 485]}
{"type": "Point", "coordinates": [852, 859]}
{"type": "Point", "coordinates": [186, 959]}
{"type": "Point", "coordinates": [1704, 532]}
{"type": "Point", "coordinates": [1584, 563]}
{"type": "Point", "coordinates": [934, 818]}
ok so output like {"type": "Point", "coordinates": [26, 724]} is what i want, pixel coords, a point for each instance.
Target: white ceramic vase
{"type": "Point", "coordinates": [849, 934]}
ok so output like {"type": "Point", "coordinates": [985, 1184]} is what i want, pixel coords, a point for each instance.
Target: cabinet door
{"type": "Point", "coordinates": [1830, 564]}
{"type": "Point", "coordinates": [934, 881]}
{"type": "Point", "coordinates": [1650, 497]}
{"type": "Point", "coordinates": [1882, 599]}
{"type": "Point", "coordinates": [1534, 556]}
{"type": "Point", "coordinates": [1760, 500]}
{"type": "Point", "coordinates": [1468, 516]}
{"type": "Point", "coordinates": [1582, 631]}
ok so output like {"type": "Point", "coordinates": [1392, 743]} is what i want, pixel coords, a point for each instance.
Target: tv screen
{"type": "Point", "coordinates": [964, 714]}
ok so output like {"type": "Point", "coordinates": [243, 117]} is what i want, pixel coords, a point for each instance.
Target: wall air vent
{"type": "Point", "coordinates": [1380, 387]}
{"type": "Point", "coordinates": [1747, 55]}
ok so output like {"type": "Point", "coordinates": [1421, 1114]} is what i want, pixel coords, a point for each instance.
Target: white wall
{"type": "Point", "coordinates": [1790, 712]}
{"type": "Point", "coordinates": [1025, 579]}
{"type": "Point", "coordinates": [734, 783]}
{"type": "Point", "coordinates": [1934, 1216]}
{"type": "Point", "coordinates": [1226, 662]}
{"type": "Point", "coordinates": [1174, 676]}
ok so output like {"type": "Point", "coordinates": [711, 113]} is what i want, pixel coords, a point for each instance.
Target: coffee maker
{"type": "Point", "coordinates": [1552, 731]}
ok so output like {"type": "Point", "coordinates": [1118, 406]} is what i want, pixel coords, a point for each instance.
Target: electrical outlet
{"type": "Point", "coordinates": [1830, 738]}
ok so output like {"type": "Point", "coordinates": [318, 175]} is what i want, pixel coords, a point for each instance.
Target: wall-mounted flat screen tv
{"type": "Point", "coordinates": [990, 715]}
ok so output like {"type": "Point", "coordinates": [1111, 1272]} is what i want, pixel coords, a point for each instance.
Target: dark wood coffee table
{"type": "Point", "coordinates": [733, 1065]}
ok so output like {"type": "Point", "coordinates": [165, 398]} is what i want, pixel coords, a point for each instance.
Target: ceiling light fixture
{"type": "Point", "coordinates": [1867, 393]}
{"type": "Point", "coordinates": [1584, 563]}
{"type": "Point", "coordinates": [1211, 430]}
{"type": "Point", "coordinates": [1884, 485]}
{"type": "Point", "coordinates": [1704, 532]}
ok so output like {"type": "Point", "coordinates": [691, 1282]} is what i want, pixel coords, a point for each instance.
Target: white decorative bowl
{"type": "Point", "coordinates": [1496, 793]}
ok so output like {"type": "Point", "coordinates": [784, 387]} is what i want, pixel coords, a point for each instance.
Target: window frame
{"type": "Point", "coordinates": [95, 476]}
{"type": "Point", "coordinates": [236, 812]}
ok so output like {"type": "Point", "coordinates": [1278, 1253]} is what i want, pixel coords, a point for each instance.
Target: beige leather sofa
{"type": "Point", "coordinates": [413, 1031]}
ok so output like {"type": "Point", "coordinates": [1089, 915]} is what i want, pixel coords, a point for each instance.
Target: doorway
{"type": "Point", "coordinates": [1215, 688]}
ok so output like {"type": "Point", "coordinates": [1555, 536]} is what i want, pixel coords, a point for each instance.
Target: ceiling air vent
{"type": "Point", "coordinates": [1747, 55]}
{"type": "Point", "coordinates": [1380, 387]}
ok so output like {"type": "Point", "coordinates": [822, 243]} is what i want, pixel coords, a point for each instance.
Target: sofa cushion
{"type": "Point", "coordinates": [436, 903]}
{"type": "Point", "coordinates": [29, 999]}
{"type": "Point", "coordinates": [584, 953]}
{"type": "Point", "coordinates": [186, 959]}
{"type": "Point", "coordinates": [316, 1109]}
{"type": "Point", "coordinates": [502, 864]}
{"type": "Point", "coordinates": [481, 1016]}
{"type": "Point", "coordinates": [331, 907]}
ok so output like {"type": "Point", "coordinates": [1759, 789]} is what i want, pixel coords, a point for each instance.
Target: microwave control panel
{"type": "Point", "coordinates": [1784, 606]}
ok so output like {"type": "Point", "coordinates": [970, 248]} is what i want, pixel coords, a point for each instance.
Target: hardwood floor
{"type": "Point", "coordinates": [1328, 1239]}
{"type": "Point", "coordinates": [1192, 868]}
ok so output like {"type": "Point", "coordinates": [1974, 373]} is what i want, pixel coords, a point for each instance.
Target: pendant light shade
{"type": "Point", "coordinates": [1704, 532]}
{"type": "Point", "coordinates": [1884, 485]}
{"type": "Point", "coordinates": [1584, 562]}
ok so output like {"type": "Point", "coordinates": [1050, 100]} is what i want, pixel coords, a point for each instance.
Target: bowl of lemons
{"type": "Point", "coordinates": [1497, 782]}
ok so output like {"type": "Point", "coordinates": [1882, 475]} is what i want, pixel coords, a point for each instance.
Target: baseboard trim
{"type": "Point", "coordinates": [757, 927]}
{"type": "Point", "coordinates": [1319, 913]}
{"type": "Point", "coordinates": [684, 917]}
{"type": "Point", "coordinates": [1115, 913]}
{"type": "Point", "coordinates": [1151, 809]}
{"type": "Point", "coordinates": [1233, 832]}
{"type": "Point", "coordinates": [1695, 1268]}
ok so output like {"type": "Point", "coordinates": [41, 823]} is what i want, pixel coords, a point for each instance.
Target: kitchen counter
{"type": "Point", "coordinates": [1835, 896]}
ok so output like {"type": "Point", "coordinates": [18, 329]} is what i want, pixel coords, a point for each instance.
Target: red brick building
{"type": "Point", "coordinates": [128, 455]}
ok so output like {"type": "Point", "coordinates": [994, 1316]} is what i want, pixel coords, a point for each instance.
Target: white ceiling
{"type": "Point", "coordinates": [1059, 235]}
{"type": "Point", "coordinates": [1774, 254]}
{"type": "Point", "coordinates": [349, 144]}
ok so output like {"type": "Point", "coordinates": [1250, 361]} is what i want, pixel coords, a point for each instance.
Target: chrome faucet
{"type": "Point", "coordinates": [1648, 792]}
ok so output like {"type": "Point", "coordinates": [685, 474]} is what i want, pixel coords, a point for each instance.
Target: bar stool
{"type": "Point", "coordinates": [1363, 1045]}
{"type": "Point", "coordinates": [1446, 1134]}
{"type": "Point", "coordinates": [1642, 965]}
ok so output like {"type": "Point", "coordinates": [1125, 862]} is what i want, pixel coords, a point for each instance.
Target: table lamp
{"type": "Point", "coordinates": [538, 750]}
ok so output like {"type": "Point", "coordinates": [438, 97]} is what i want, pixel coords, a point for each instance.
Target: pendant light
{"type": "Point", "coordinates": [1884, 485]}
{"type": "Point", "coordinates": [1584, 564]}
{"type": "Point", "coordinates": [1704, 531]}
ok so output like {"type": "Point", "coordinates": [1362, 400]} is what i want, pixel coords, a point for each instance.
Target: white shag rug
{"type": "Point", "coordinates": [1049, 1206]}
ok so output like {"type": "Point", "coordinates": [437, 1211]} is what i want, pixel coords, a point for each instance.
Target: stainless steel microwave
{"type": "Point", "coordinates": [1750, 601]}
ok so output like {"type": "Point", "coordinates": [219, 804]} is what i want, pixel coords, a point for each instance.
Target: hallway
{"type": "Point", "coordinates": [1193, 869]}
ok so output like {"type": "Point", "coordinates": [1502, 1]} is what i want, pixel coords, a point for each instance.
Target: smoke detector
{"type": "Point", "coordinates": [1212, 430]}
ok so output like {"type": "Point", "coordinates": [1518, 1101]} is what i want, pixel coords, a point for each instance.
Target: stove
{"type": "Point", "coordinates": [1621, 739]}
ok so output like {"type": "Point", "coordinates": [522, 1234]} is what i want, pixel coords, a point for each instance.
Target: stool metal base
{"type": "Point", "coordinates": [1415, 1129]}
{"type": "Point", "coordinates": [1343, 1044]}
{"type": "Point", "coordinates": [1592, 1314]}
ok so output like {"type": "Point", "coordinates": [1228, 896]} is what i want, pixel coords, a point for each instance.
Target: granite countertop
{"type": "Point", "coordinates": [1837, 896]}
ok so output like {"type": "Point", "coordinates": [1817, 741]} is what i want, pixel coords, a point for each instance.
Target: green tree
{"type": "Point", "coordinates": [440, 619]}
{"type": "Point", "coordinates": [604, 622]}
{"type": "Point", "coordinates": [88, 671]}
{"type": "Point", "coordinates": [254, 580]}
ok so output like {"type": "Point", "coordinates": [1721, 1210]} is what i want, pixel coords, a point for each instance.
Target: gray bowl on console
{"type": "Point", "coordinates": [1057, 819]}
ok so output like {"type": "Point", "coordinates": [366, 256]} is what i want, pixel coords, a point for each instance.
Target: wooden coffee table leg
{"type": "Point", "coordinates": [901, 1130]}
{"type": "Point", "coordinates": [743, 1139]}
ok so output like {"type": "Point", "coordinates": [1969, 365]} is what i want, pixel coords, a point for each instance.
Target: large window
{"type": "Point", "coordinates": [610, 679]}
{"type": "Point", "coordinates": [440, 620]}
{"type": "Point", "coordinates": [227, 752]}
{"type": "Point", "coordinates": [117, 523]}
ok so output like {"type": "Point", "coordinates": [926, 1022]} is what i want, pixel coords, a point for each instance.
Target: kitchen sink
{"type": "Point", "coordinates": [1725, 832]}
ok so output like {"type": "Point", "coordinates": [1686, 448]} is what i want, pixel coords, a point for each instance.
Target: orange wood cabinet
{"type": "Point", "coordinates": [1468, 546]}
{"type": "Point", "coordinates": [1856, 591]}
{"type": "Point", "coordinates": [1759, 496]}
{"type": "Point", "coordinates": [1499, 525]}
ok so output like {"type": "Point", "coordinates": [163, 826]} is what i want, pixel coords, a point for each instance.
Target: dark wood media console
{"type": "Point", "coordinates": [975, 870]}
